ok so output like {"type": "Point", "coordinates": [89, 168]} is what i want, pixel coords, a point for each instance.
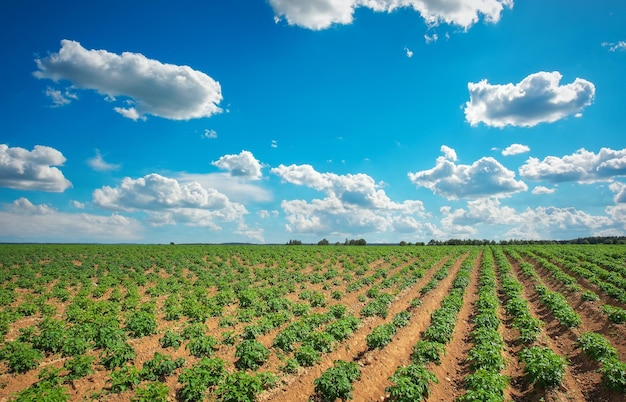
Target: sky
{"type": "Point", "coordinates": [264, 121]}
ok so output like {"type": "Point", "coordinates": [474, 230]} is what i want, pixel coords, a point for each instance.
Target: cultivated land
{"type": "Point", "coordinates": [276, 323]}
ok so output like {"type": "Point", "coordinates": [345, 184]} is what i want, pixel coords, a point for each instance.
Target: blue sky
{"type": "Point", "coordinates": [263, 121]}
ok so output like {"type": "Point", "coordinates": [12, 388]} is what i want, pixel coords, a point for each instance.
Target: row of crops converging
{"type": "Point", "coordinates": [324, 323]}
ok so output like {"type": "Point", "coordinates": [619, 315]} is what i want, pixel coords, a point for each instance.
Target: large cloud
{"type": "Point", "coordinates": [484, 178]}
{"type": "Point", "coordinates": [165, 90]}
{"type": "Point", "coordinates": [24, 221]}
{"type": "Point", "coordinates": [243, 165]}
{"type": "Point", "coordinates": [539, 223]}
{"type": "Point", "coordinates": [21, 169]}
{"type": "Point", "coordinates": [582, 166]}
{"type": "Point", "coordinates": [353, 204]}
{"type": "Point", "coordinates": [169, 202]}
{"type": "Point", "coordinates": [538, 98]}
{"type": "Point", "coordinates": [321, 14]}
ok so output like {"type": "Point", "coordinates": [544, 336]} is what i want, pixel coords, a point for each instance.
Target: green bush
{"type": "Point", "coordinates": [124, 378]}
{"type": "Point", "coordinates": [543, 366]}
{"type": "Point", "coordinates": [251, 354]}
{"type": "Point", "coordinates": [20, 357]}
{"type": "Point", "coordinates": [151, 392]}
{"type": "Point", "coordinates": [411, 383]}
{"type": "Point", "coordinates": [239, 387]}
{"type": "Point", "coordinates": [206, 374]}
{"type": "Point", "coordinates": [336, 382]}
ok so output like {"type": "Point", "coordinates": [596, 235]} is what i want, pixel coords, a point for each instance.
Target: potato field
{"type": "Point", "coordinates": [320, 323]}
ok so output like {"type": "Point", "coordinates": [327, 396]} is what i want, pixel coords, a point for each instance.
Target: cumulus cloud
{"type": "Point", "coordinates": [543, 190]}
{"type": "Point", "coordinates": [167, 201]}
{"type": "Point", "coordinates": [321, 14]}
{"type": "Point", "coordinates": [483, 178]}
{"type": "Point", "coordinates": [515, 149]}
{"type": "Point", "coordinates": [154, 88]}
{"type": "Point", "coordinates": [209, 134]}
{"type": "Point", "coordinates": [21, 169]}
{"type": "Point", "coordinates": [582, 166]}
{"type": "Point", "coordinates": [24, 221]}
{"type": "Point", "coordinates": [354, 203]}
{"type": "Point", "coordinates": [242, 165]}
{"type": "Point", "coordinates": [619, 189]}
{"type": "Point", "coordinates": [614, 47]}
{"type": "Point", "coordinates": [538, 98]}
{"type": "Point", "coordinates": [98, 163]}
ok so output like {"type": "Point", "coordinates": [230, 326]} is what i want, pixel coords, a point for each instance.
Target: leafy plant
{"type": "Point", "coordinates": [380, 336]}
{"type": "Point", "coordinates": [20, 357]}
{"type": "Point", "coordinates": [614, 314]}
{"type": "Point", "coordinates": [117, 355]}
{"type": "Point", "coordinates": [426, 352]}
{"type": "Point", "coordinates": [306, 356]}
{"type": "Point", "coordinates": [160, 366]}
{"type": "Point", "coordinates": [239, 387]}
{"type": "Point", "coordinates": [171, 339]}
{"type": "Point", "coordinates": [151, 392]}
{"type": "Point", "coordinates": [124, 378]}
{"type": "Point", "coordinates": [336, 382]}
{"type": "Point", "coordinates": [202, 346]}
{"type": "Point", "coordinates": [411, 383]}
{"type": "Point", "coordinates": [543, 366]}
{"type": "Point", "coordinates": [141, 323]}
{"type": "Point", "coordinates": [207, 373]}
{"type": "Point", "coordinates": [596, 346]}
{"type": "Point", "coordinates": [614, 374]}
{"type": "Point", "coordinates": [251, 354]}
{"type": "Point", "coordinates": [79, 367]}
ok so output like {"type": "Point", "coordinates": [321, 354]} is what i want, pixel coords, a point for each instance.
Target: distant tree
{"type": "Point", "coordinates": [403, 243]}
{"type": "Point", "coordinates": [323, 242]}
{"type": "Point", "coordinates": [294, 243]}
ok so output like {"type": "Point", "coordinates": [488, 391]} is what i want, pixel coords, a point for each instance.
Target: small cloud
{"type": "Point", "coordinates": [431, 38]}
{"type": "Point", "coordinates": [242, 165]}
{"type": "Point", "coordinates": [448, 153]}
{"type": "Point", "coordinates": [515, 149]}
{"type": "Point", "coordinates": [543, 190]}
{"type": "Point", "coordinates": [98, 163]}
{"type": "Point", "coordinates": [209, 134]}
{"type": "Point", "coordinates": [59, 98]}
{"type": "Point", "coordinates": [77, 204]}
{"type": "Point", "coordinates": [130, 113]}
{"type": "Point", "coordinates": [35, 170]}
{"type": "Point", "coordinates": [409, 52]}
{"type": "Point", "coordinates": [614, 47]}
{"type": "Point", "coordinates": [274, 144]}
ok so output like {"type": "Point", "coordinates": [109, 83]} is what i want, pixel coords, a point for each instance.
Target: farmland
{"type": "Point", "coordinates": [276, 323]}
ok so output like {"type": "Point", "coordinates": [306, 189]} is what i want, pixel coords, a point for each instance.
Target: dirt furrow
{"type": "Point", "coordinates": [453, 369]}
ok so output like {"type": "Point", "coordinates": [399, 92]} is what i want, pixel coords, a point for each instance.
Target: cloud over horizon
{"type": "Point", "coordinates": [154, 88]}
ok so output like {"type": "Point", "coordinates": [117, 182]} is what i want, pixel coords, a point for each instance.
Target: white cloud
{"type": "Point", "coordinates": [431, 38]}
{"type": "Point", "coordinates": [538, 98]}
{"type": "Point", "coordinates": [237, 189]}
{"type": "Point", "coordinates": [98, 163]}
{"type": "Point", "coordinates": [614, 47]}
{"type": "Point", "coordinates": [59, 98]}
{"type": "Point", "coordinates": [321, 14]}
{"type": "Point", "coordinates": [242, 165]}
{"type": "Point", "coordinates": [409, 52]}
{"type": "Point", "coordinates": [21, 169]}
{"type": "Point", "coordinates": [274, 144]}
{"type": "Point", "coordinates": [165, 90]}
{"type": "Point", "coordinates": [209, 134]}
{"type": "Point", "coordinates": [484, 178]}
{"type": "Point", "coordinates": [582, 166]}
{"type": "Point", "coordinates": [539, 223]}
{"type": "Point", "coordinates": [619, 189]}
{"type": "Point", "coordinates": [77, 204]}
{"type": "Point", "coordinates": [167, 201]}
{"type": "Point", "coordinates": [543, 190]}
{"type": "Point", "coordinates": [354, 204]}
{"type": "Point", "coordinates": [515, 149]}
{"type": "Point", "coordinates": [25, 221]}
{"type": "Point", "coordinates": [448, 153]}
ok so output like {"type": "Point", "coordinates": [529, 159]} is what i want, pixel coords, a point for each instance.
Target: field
{"type": "Point", "coordinates": [298, 323]}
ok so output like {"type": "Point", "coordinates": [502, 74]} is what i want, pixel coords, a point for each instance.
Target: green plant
{"type": "Point", "coordinates": [411, 383]}
{"type": "Point", "coordinates": [543, 366]}
{"type": "Point", "coordinates": [124, 378]}
{"type": "Point", "coordinates": [380, 336]}
{"type": "Point", "coordinates": [306, 355]}
{"type": "Point", "coordinates": [401, 319]}
{"type": "Point", "coordinates": [151, 392]}
{"type": "Point", "coordinates": [291, 366]}
{"type": "Point", "coordinates": [614, 374]}
{"type": "Point", "coordinates": [588, 295]}
{"type": "Point", "coordinates": [141, 323]}
{"type": "Point", "coordinates": [117, 355]}
{"type": "Point", "coordinates": [202, 346]}
{"type": "Point", "coordinates": [596, 346]}
{"type": "Point", "coordinates": [336, 382]}
{"type": "Point", "coordinates": [79, 367]}
{"type": "Point", "coordinates": [251, 354]}
{"type": "Point", "coordinates": [160, 366]}
{"type": "Point", "coordinates": [47, 388]}
{"type": "Point", "coordinates": [614, 314]}
{"type": "Point", "coordinates": [20, 357]}
{"type": "Point", "coordinates": [171, 339]}
{"type": "Point", "coordinates": [427, 351]}
{"type": "Point", "coordinates": [239, 387]}
{"type": "Point", "coordinates": [206, 374]}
